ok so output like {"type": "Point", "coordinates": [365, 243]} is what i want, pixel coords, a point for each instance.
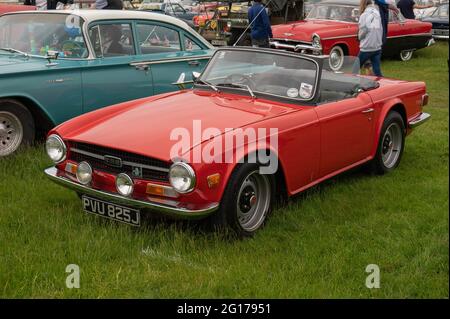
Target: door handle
{"type": "Point", "coordinates": [367, 111]}
{"type": "Point", "coordinates": [194, 63]}
{"type": "Point", "coordinates": [141, 67]}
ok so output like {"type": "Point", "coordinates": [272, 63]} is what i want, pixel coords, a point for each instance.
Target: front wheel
{"type": "Point", "coordinates": [336, 59]}
{"type": "Point", "coordinates": [247, 201]}
{"type": "Point", "coordinates": [390, 145]}
{"type": "Point", "coordinates": [16, 126]}
{"type": "Point", "coordinates": [406, 55]}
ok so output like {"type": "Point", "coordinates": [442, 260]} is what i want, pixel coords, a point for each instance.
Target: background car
{"type": "Point", "coordinates": [4, 8]}
{"type": "Point", "coordinates": [55, 65]}
{"type": "Point", "coordinates": [439, 19]}
{"type": "Point", "coordinates": [312, 124]}
{"type": "Point", "coordinates": [331, 28]}
{"type": "Point", "coordinates": [170, 8]}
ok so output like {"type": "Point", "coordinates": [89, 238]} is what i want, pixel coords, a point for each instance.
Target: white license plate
{"type": "Point", "coordinates": [119, 213]}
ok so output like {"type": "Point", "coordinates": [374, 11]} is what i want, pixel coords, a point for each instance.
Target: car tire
{"type": "Point", "coordinates": [247, 201]}
{"type": "Point", "coordinates": [336, 59]}
{"type": "Point", "coordinates": [406, 55]}
{"type": "Point", "coordinates": [16, 126]}
{"type": "Point", "coordinates": [390, 145]}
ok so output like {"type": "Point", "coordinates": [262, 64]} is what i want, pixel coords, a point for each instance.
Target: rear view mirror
{"type": "Point", "coordinates": [195, 76]}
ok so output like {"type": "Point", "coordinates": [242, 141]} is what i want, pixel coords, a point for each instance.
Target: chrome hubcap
{"type": "Point", "coordinates": [406, 55]}
{"type": "Point", "coordinates": [11, 133]}
{"type": "Point", "coordinates": [391, 145]}
{"type": "Point", "coordinates": [253, 201]}
{"type": "Point", "coordinates": [336, 60]}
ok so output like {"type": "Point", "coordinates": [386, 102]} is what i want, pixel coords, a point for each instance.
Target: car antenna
{"type": "Point", "coordinates": [249, 25]}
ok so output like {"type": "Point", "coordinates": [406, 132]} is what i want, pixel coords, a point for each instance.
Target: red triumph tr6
{"type": "Point", "coordinates": [258, 125]}
{"type": "Point", "coordinates": [331, 28]}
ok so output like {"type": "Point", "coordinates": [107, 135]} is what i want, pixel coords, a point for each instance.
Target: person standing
{"type": "Point", "coordinates": [384, 6]}
{"type": "Point", "coordinates": [259, 21]}
{"type": "Point", "coordinates": [407, 8]}
{"type": "Point", "coordinates": [370, 35]}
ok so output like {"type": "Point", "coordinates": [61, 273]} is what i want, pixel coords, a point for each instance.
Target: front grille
{"type": "Point", "coordinates": [133, 164]}
{"type": "Point", "coordinates": [290, 42]}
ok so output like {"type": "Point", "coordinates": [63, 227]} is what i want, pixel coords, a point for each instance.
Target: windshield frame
{"type": "Point", "coordinates": [83, 26]}
{"type": "Point", "coordinates": [328, 5]}
{"type": "Point", "coordinates": [318, 62]}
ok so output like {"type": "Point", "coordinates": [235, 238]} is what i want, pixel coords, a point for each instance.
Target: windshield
{"type": "Point", "coordinates": [334, 12]}
{"type": "Point", "coordinates": [266, 73]}
{"type": "Point", "coordinates": [441, 11]}
{"type": "Point", "coordinates": [37, 34]}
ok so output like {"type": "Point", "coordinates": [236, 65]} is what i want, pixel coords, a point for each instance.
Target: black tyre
{"type": "Point", "coordinates": [390, 145]}
{"type": "Point", "coordinates": [16, 126]}
{"type": "Point", "coordinates": [247, 201]}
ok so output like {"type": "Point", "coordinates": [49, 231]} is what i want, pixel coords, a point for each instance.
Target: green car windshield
{"type": "Point", "coordinates": [268, 73]}
{"type": "Point", "coordinates": [36, 34]}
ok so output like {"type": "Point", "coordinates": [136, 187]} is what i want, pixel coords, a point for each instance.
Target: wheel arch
{"type": "Point", "coordinates": [393, 105]}
{"type": "Point", "coordinates": [280, 177]}
{"type": "Point", "coordinates": [42, 120]}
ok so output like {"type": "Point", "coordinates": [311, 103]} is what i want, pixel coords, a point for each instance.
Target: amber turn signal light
{"type": "Point", "coordinates": [160, 190]}
{"type": "Point", "coordinates": [213, 180]}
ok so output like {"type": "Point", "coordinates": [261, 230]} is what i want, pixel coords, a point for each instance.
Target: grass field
{"type": "Point", "coordinates": [318, 246]}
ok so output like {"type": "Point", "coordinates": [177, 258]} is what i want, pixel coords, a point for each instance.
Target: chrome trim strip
{"type": "Point", "coordinates": [170, 60]}
{"type": "Point", "coordinates": [419, 120]}
{"type": "Point", "coordinates": [51, 173]}
{"type": "Point", "coordinates": [101, 157]}
{"type": "Point", "coordinates": [410, 35]}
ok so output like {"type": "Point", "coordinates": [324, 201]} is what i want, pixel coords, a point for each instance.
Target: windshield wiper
{"type": "Point", "coordinates": [237, 85]}
{"type": "Point", "coordinates": [208, 84]}
{"type": "Point", "coordinates": [14, 51]}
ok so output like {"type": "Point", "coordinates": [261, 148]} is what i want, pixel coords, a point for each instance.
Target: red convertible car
{"type": "Point", "coordinates": [259, 124]}
{"type": "Point", "coordinates": [331, 28]}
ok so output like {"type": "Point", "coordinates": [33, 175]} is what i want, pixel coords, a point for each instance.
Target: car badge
{"type": "Point", "coordinates": [136, 171]}
{"type": "Point", "coordinates": [113, 161]}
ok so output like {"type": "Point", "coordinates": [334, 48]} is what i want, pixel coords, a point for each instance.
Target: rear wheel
{"type": "Point", "coordinates": [16, 126]}
{"type": "Point", "coordinates": [406, 55]}
{"type": "Point", "coordinates": [390, 145]}
{"type": "Point", "coordinates": [247, 201]}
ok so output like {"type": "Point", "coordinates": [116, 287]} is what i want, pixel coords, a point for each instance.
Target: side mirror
{"type": "Point", "coordinates": [195, 76]}
{"type": "Point", "coordinates": [51, 55]}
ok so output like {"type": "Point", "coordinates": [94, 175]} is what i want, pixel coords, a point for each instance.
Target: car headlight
{"type": "Point", "coordinates": [229, 24]}
{"type": "Point", "coordinates": [316, 41]}
{"type": "Point", "coordinates": [124, 184]}
{"type": "Point", "coordinates": [182, 177]}
{"type": "Point", "coordinates": [84, 173]}
{"type": "Point", "coordinates": [56, 149]}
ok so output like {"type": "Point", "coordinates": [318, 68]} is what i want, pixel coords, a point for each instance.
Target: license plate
{"type": "Point", "coordinates": [219, 42]}
{"type": "Point", "coordinates": [112, 211]}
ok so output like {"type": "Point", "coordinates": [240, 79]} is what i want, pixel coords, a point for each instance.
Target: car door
{"type": "Point", "coordinates": [169, 52]}
{"type": "Point", "coordinates": [112, 77]}
{"type": "Point", "coordinates": [346, 132]}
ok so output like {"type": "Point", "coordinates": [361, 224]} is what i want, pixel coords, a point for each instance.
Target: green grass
{"type": "Point", "coordinates": [316, 247]}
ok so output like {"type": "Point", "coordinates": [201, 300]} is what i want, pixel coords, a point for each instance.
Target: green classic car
{"type": "Point", "coordinates": [56, 65]}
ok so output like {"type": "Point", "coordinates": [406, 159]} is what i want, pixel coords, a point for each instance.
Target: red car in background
{"type": "Point", "coordinates": [4, 8]}
{"type": "Point", "coordinates": [298, 125]}
{"type": "Point", "coordinates": [331, 28]}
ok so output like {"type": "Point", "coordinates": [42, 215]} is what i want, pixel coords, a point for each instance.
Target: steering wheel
{"type": "Point", "coordinates": [75, 47]}
{"type": "Point", "coordinates": [238, 78]}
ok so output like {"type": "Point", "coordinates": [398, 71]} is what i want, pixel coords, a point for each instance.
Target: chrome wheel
{"type": "Point", "coordinates": [253, 201]}
{"type": "Point", "coordinates": [11, 133]}
{"type": "Point", "coordinates": [336, 59]}
{"type": "Point", "coordinates": [392, 145]}
{"type": "Point", "coordinates": [406, 55]}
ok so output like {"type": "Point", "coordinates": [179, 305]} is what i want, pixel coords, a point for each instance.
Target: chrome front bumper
{"type": "Point", "coordinates": [419, 120]}
{"type": "Point", "coordinates": [296, 47]}
{"type": "Point", "coordinates": [51, 173]}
